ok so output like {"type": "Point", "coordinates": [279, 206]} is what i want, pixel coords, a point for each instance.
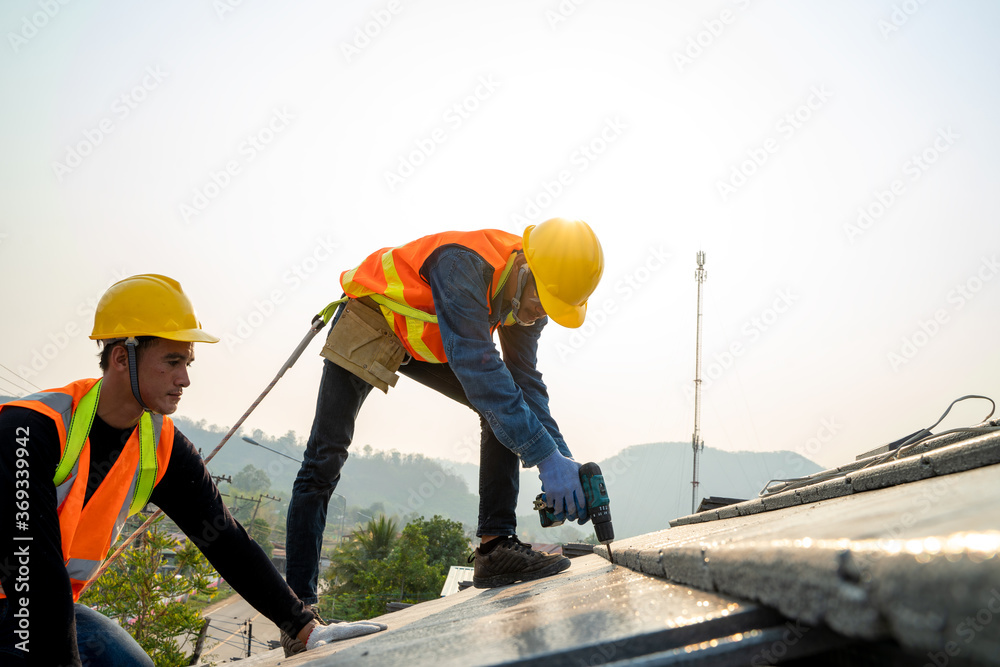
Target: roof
{"type": "Point", "coordinates": [903, 569]}
{"type": "Point", "coordinates": [456, 576]}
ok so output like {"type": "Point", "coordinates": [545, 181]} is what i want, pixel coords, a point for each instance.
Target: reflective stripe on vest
{"type": "Point", "coordinates": [88, 531]}
{"type": "Point", "coordinates": [394, 278]}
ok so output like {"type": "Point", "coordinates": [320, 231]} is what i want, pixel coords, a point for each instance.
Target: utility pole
{"type": "Point", "coordinates": [259, 498]}
{"type": "Point", "coordinates": [697, 444]}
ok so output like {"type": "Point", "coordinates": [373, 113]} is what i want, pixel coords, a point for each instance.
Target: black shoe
{"type": "Point", "coordinates": [512, 560]}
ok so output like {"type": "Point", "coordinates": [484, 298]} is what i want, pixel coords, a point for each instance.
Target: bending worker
{"type": "Point", "coordinates": [437, 302]}
{"type": "Point", "coordinates": [75, 462]}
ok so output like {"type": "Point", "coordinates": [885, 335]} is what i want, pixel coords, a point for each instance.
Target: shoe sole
{"type": "Point", "coordinates": [497, 580]}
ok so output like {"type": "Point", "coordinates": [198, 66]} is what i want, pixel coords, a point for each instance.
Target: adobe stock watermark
{"type": "Point", "coordinates": [425, 491]}
{"type": "Point", "coordinates": [370, 30]}
{"type": "Point", "coordinates": [292, 279]}
{"type": "Point", "coordinates": [580, 160]}
{"type": "Point", "coordinates": [932, 491]}
{"type": "Point", "coordinates": [752, 331]}
{"type": "Point", "coordinates": [828, 429]}
{"type": "Point", "coordinates": [625, 288]}
{"type": "Point", "coordinates": [55, 342]}
{"type": "Point", "coordinates": [32, 24]}
{"type": "Point", "coordinates": [913, 169]}
{"type": "Point", "coordinates": [121, 108]}
{"type": "Point", "coordinates": [251, 146]}
{"type": "Point", "coordinates": [958, 297]}
{"type": "Point", "coordinates": [224, 7]}
{"type": "Point", "coordinates": [900, 16]}
{"type": "Point", "coordinates": [786, 127]}
{"type": "Point", "coordinates": [773, 654]}
{"type": "Point", "coordinates": [967, 630]}
{"type": "Point", "coordinates": [453, 117]}
{"type": "Point", "coordinates": [711, 30]}
{"type": "Point", "coordinates": [562, 12]}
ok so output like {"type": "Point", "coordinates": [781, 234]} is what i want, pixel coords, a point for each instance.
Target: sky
{"type": "Point", "coordinates": [836, 162]}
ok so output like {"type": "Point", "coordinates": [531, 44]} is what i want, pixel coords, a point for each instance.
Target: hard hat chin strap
{"type": "Point", "coordinates": [133, 370]}
{"type": "Point", "coordinates": [522, 279]}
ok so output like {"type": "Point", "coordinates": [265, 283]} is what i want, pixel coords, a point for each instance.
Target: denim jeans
{"type": "Point", "coordinates": [341, 395]}
{"type": "Point", "coordinates": [101, 641]}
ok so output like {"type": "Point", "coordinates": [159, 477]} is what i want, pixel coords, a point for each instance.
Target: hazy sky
{"type": "Point", "coordinates": [836, 161]}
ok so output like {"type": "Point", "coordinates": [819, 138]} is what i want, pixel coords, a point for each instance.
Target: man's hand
{"type": "Point", "coordinates": [326, 634]}
{"type": "Point", "coordinates": [561, 483]}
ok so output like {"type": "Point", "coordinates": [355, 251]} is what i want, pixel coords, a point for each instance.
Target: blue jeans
{"type": "Point", "coordinates": [101, 641]}
{"type": "Point", "coordinates": [341, 395]}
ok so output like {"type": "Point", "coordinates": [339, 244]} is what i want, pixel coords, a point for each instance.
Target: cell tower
{"type": "Point", "coordinates": [697, 444]}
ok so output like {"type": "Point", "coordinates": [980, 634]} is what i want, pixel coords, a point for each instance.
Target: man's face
{"type": "Point", "coordinates": [531, 308]}
{"type": "Point", "coordinates": [163, 374]}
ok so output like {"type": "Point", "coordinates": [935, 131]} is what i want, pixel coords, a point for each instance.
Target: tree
{"type": "Point", "coordinates": [147, 594]}
{"type": "Point", "coordinates": [447, 543]}
{"type": "Point", "coordinates": [377, 538]}
{"type": "Point", "coordinates": [260, 532]}
{"type": "Point", "coordinates": [252, 480]}
{"type": "Point", "coordinates": [375, 566]}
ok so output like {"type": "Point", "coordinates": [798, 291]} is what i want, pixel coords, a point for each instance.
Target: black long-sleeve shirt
{"type": "Point", "coordinates": [186, 493]}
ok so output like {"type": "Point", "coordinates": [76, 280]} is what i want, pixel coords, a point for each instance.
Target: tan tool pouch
{"type": "Point", "coordinates": [363, 343]}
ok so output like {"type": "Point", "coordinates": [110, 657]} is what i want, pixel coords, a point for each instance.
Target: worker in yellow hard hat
{"type": "Point", "coordinates": [76, 461]}
{"type": "Point", "coordinates": [436, 303]}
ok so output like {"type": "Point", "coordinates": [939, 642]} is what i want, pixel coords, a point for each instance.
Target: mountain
{"type": "Point", "coordinates": [650, 484]}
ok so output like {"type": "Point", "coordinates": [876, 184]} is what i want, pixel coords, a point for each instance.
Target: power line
{"type": "Point", "coordinates": [16, 390]}
{"type": "Point", "coordinates": [27, 391]}
{"type": "Point", "coordinates": [18, 375]}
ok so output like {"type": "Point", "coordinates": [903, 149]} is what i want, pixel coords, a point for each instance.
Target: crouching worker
{"type": "Point", "coordinates": [438, 302]}
{"type": "Point", "coordinates": [75, 462]}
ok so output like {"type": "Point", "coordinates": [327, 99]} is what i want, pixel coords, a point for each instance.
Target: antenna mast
{"type": "Point", "coordinates": [697, 444]}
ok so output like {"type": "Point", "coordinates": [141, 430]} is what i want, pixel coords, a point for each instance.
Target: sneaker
{"type": "Point", "coordinates": [291, 644]}
{"type": "Point", "coordinates": [513, 560]}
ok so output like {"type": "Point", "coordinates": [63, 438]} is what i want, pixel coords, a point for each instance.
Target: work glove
{"type": "Point", "coordinates": [560, 478]}
{"type": "Point", "coordinates": [327, 634]}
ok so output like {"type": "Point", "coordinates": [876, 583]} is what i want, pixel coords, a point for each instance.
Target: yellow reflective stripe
{"type": "Point", "coordinates": [79, 429]}
{"type": "Point", "coordinates": [403, 309]}
{"type": "Point", "coordinates": [393, 284]}
{"type": "Point", "coordinates": [147, 464]}
{"type": "Point", "coordinates": [414, 331]}
{"type": "Point", "coordinates": [347, 282]}
{"type": "Point", "coordinates": [504, 275]}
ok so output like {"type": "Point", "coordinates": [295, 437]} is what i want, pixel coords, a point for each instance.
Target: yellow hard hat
{"type": "Point", "coordinates": [567, 261]}
{"type": "Point", "coordinates": [148, 305]}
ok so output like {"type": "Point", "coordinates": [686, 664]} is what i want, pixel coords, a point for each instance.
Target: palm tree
{"type": "Point", "coordinates": [374, 541]}
{"type": "Point", "coordinates": [377, 537]}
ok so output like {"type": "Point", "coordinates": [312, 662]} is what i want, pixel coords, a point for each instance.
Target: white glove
{"type": "Point", "coordinates": [326, 634]}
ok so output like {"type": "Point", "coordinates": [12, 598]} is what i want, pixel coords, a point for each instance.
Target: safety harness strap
{"type": "Point", "coordinates": [403, 309]}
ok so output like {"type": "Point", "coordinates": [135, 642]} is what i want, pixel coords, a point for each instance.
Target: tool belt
{"type": "Point", "coordinates": [363, 343]}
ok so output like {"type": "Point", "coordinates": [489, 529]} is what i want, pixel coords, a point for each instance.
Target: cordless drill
{"type": "Point", "coordinates": [596, 496]}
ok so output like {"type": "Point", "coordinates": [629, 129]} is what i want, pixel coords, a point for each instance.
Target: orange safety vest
{"type": "Point", "coordinates": [397, 274]}
{"type": "Point", "coordinates": [88, 531]}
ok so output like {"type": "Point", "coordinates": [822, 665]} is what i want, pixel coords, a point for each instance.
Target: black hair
{"type": "Point", "coordinates": [142, 342]}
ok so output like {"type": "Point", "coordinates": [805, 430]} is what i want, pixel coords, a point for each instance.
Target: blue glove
{"type": "Point", "coordinates": [561, 484]}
